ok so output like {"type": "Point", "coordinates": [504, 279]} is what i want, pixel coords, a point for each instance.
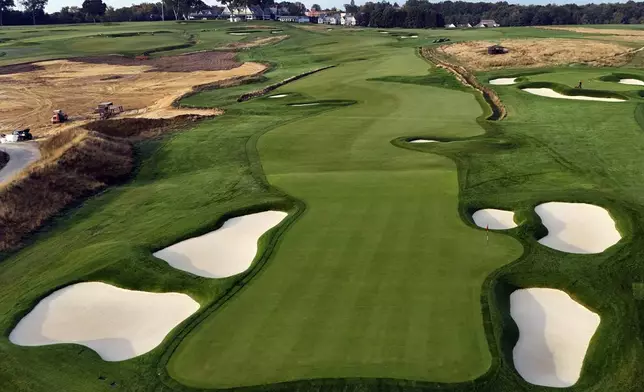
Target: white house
{"type": "Point", "coordinates": [450, 26]}
{"type": "Point", "coordinates": [488, 23]}
{"type": "Point", "coordinates": [347, 19]}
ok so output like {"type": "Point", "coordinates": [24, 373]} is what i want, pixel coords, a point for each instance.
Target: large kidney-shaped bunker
{"type": "Point", "coordinates": [577, 227]}
{"type": "Point", "coordinates": [554, 334]}
{"type": "Point", "coordinates": [118, 324]}
{"type": "Point", "coordinates": [227, 251]}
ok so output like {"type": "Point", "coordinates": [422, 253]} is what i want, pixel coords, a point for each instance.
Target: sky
{"type": "Point", "coordinates": [56, 5]}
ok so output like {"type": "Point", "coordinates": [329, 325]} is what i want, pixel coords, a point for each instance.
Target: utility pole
{"type": "Point", "coordinates": [162, 11]}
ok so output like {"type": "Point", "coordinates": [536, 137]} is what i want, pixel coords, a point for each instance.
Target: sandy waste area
{"type": "Point", "coordinates": [538, 52]}
{"type": "Point", "coordinates": [225, 252]}
{"type": "Point", "coordinates": [633, 82]}
{"type": "Point", "coordinates": [503, 81]}
{"type": "Point", "coordinates": [76, 87]}
{"type": "Point", "coordinates": [550, 93]}
{"type": "Point", "coordinates": [554, 335]}
{"type": "Point", "coordinates": [577, 227]}
{"type": "Point", "coordinates": [494, 219]}
{"type": "Point", "coordinates": [118, 324]}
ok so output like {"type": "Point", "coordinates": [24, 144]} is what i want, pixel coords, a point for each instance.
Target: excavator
{"type": "Point", "coordinates": [59, 117]}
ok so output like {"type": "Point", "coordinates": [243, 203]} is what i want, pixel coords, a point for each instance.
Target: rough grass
{"type": "Point", "coordinates": [75, 165]}
{"type": "Point", "coordinates": [537, 53]}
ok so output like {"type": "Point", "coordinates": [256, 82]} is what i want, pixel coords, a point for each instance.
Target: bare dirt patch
{"type": "Point", "coordinates": [537, 53]}
{"type": "Point", "coordinates": [18, 68]}
{"type": "Point", "coordinates": [256, 42]}
{"type": "Point", "coordinates": [139, 86]}
{"type": "Point", "coordinates": [200, 61]}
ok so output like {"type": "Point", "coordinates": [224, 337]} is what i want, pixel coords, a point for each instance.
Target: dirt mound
{"type": "Point", "coordinates": [18, 68]}
{"type": "Point", "coordinates": [537, 53]}
{"type": "Point", "coordinates": [139, 128]}
{"type": "Point", "coordinates": [75, 165]}
{"type": "Point", "coordinates": [202, 61]}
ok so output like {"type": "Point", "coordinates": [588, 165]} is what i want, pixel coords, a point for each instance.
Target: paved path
{"type": "Point", "coordinates": [20, 156]}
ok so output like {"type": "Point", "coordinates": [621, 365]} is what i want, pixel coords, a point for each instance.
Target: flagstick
{"type": "Point", "coordinates": [487, 234]}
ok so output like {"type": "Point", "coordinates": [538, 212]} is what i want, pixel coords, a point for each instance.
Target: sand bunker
{"type": "Point", "coordinates": [423, 141]}
{"type": "Point", "coordinates": [225, 252]}
{"type": "Point", "coordinates": [634, 82]}
{"type": "Point", "coordinates": [577, 227]}
{"type": "Point", "coordinates": [278, 96]}
{"type": "Point", "coordinates": [550, 93]}
{"type": "Point", "coordinates": [494, 219]}
{"type": "Point", "coordinates": [78, 86]}
{"type": "Point", "coordinates": [118, 324]}
{"type": "Point", "coordinates": [554, 334]}
{"type": "Point", "coordinates": [306, 104]}
{"type": "Point", "coordinates": [503, 81]}
{"type": "Point", "coordinates": [238, 33]}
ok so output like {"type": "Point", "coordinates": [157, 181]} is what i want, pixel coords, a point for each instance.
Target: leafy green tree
{"type": "Point", "coordinates": [34, 7]}
{"type": "Point", "coordinates": [94, 8]}
{"type": "Point", "coordinates": [351, 8]}
{"type": "Point", "coordinates": [316, 7]}
{"type": "Point", "coordinates": [5, 5]}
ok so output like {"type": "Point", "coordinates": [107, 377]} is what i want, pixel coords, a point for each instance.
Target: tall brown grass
{"type": "Point", "coordinates": [75, 164]}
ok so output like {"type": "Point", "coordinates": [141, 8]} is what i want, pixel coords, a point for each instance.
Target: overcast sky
{"type": "Point", "coordinates": [56, 5]}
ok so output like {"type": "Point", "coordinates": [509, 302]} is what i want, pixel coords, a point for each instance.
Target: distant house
{"type": "Point", "coordinates": [333, 19]}
{"type": "Point", "coordinates": [209, 13]}
{"type": "Point", "coordinates": [303, 19]}
{"type": "Point", "coordinates": [487, 23]}
{"type": "Point", "coordinates": [270, 13]}
{"type": "Point", "coordinates": [347, 19]}
{"type": "Point", "coordinates": [450, 26]}
{"type": "Point", "coordinates": [288, 18]}
{"type": "Point", "coordinates": [257, 13]}
{"type": "Point", "coordinates": [465, 26]}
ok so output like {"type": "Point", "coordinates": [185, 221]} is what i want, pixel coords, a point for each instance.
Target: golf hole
{"type": "Point", "coordinates": [118, 324]}
{"type": "Point", "coordinates": [633, 82]}
{"type": "Point", "coordinates": [554, 334]}
{"type": "Point", "coordinates": [503, 81]}
{"type": "Point", "coordinates": [550, 93]}
{"type": "Point", "coordinates": [577, 227]}
{"type": "Point", "coordinates": [494, 219]}
{"type": "Point", "coordinates": [225, 252]}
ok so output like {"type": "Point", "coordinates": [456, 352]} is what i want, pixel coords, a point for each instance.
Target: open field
{"type": "Point", "coordinates": [378, 278]}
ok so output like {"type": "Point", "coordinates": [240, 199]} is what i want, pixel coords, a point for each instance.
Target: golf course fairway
{"type": "Point", "coordinates": [362, 283]}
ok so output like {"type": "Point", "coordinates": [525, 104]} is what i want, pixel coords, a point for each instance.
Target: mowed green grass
{"type": "Point", "coordinates": [380, 277]}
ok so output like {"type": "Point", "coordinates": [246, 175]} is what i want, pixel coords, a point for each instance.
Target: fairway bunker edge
{"type": "Point", "coordinates": [550, 93]}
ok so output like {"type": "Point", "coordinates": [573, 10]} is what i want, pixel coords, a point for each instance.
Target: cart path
{"type": "Point", "coordinates": [21, 155]}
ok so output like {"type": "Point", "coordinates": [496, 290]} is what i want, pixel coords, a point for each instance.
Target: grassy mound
{"type": "Point", "coordinates": [75, 164]}
{"type": "Point", "coordinates": [617, 76]}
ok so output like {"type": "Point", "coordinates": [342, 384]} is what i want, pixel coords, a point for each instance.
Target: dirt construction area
{"type": "Point", "coordinates": [537, 53]}
{"type": "Point", "coordinates": [146, 88]}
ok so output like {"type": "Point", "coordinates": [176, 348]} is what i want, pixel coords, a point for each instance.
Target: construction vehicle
{"type": "Point", "coordinates": [106, 110]}
{"type": "Point", "coordinates": [59, 117]}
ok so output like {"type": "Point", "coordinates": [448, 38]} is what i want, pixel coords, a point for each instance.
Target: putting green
{"type": "Point", "coordinates": [380, 277]}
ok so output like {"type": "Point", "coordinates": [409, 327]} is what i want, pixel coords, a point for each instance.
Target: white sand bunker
{"type": "Point", "coordinates": [423, 141]}
{"type": "Point", "coordinates": [306, 104]}
{"type": "Point", "coordinates": [634, 82]}
{"type": "Point", "coordinates": [279, 96]}
{"type": "Point", "coordinates": [554, 334]}
{"type": "Point", "coordinates": [228, 251]}
{"type": "Point", "coordinates": [118, 324]}
{"type": "Point", "coordinates": [577, 227]}
{"type": "Point", "coordinates": [238, 33]}
{"type": "Point", "coordinates": [494, 219]}
{"type": "Point", "coordinates": [550, 93]}
{"type": "Point", "coordinates": [503, 81]}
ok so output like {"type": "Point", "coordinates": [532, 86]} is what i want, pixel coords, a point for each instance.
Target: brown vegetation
{"type": "Point", "coordinates": [537, 53]}
{"type": "Point", "coordinates": [140, 128]}
{"type": "Point", "coordinates": [190, 62]}
{"type": "Point", "coordinates": [78, 86]}
{"type": "Point", "coordinates": [615, 34]}
{"type": "Point", "coordinates": [76, 164]}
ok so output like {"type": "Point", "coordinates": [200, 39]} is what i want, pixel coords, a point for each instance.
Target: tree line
{"type": "Point", "coordinates": [413, 14]}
